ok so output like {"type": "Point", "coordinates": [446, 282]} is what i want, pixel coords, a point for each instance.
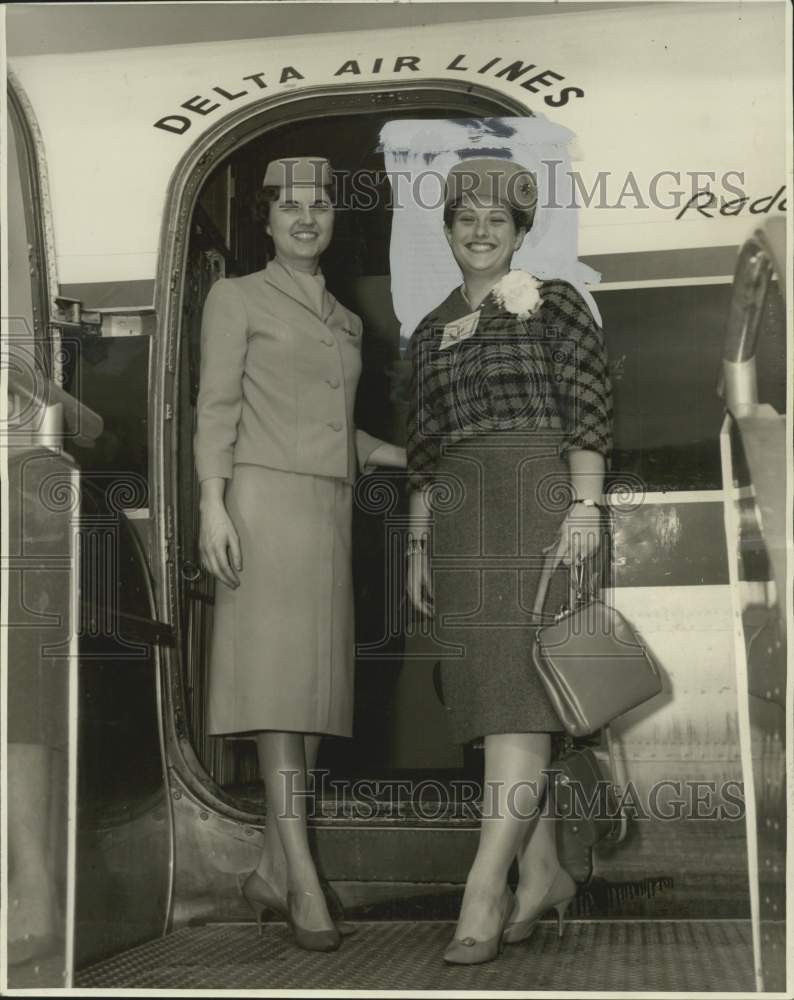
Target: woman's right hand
{"type": "Point", "coordinates": [219, 544]}
{"type": "Point", "coordinates": [418, 585]}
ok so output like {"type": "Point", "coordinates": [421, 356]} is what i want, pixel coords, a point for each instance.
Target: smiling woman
{"type": "Point", "coordinates": [486, 216]}
{"type": "Point", "coordinates": [489, 413]}
{"type": "Point", "coordinates": [301, 225]}
{"type": "Point", "coordinates": [276, 456]}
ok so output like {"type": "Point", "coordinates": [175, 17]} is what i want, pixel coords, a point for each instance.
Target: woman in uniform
{"type": "Point", "coordinates": [276, 454]}
{"type": "Point", "coordinates": [510, 427]}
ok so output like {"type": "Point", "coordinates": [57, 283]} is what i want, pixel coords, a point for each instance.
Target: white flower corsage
{"type": "Point", "coordinates": [519, 293]}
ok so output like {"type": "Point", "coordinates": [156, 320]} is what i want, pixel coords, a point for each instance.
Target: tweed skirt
{"type": "Point", "coordinates": [282, 644]}
{"type": "Point", "coordinates": [499, 502]}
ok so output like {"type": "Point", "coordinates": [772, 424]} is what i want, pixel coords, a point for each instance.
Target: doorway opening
{"type": "Point", "coordinates": [225, 240]}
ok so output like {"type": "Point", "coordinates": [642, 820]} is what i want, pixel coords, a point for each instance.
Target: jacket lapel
{"type": "Point", "coordinates": [279, 278]}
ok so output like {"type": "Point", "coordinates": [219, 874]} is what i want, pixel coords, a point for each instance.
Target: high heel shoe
{"type": "Point", "coordinates": [470, 951]}
{"type": "Point", "coordinates": [327, 940]}
{"type": "Point", "coordinates": [559, 896]}
{"type": "Point", "coordinates": [336, 910]}
{"type": "Point", "coordinates": [262, 897]}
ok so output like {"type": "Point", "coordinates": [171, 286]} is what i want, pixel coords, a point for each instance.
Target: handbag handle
{"type": "Point", "coordinates": [550, 564]}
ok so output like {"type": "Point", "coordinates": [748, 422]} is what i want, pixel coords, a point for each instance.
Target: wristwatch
{"type": "Point", "coordinates": [587, 502]}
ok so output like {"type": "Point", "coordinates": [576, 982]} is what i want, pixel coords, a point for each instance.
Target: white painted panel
{"type": "Point", "coordinates": [689, 632]}
{"type": "Point", "coordinates": [691, 88]}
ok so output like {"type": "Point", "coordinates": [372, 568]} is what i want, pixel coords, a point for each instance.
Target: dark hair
{"type": "Point", "coordinates": [522, 218]}
{"type": "Point", "coordinates": [264, 199]}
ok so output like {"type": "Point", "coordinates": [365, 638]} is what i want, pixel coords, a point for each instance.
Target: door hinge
{"type": "Point", "coordinates": [69, 314]}
{"type": "Point", "coordinates": [170, 586]}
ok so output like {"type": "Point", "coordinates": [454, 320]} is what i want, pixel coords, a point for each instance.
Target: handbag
{"type": "Point", "coordinates": [591, 662]}
{"type": "Point", "coordinates": [585, 807]}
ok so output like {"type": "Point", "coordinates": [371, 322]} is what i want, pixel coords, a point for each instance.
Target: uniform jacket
{"type": "Point", "coordinates": [278, 382]}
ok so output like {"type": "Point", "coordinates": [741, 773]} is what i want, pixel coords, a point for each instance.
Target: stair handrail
{"type": "Point", "coordinates": [35, 389]}
{"type": "Point", "coordinates": [760, 261]}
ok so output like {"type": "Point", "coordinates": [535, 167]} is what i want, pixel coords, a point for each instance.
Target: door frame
{"type": "Point", "coordinates": [38, 219]}
{"type": "Point", "coordinates": [225, 137]}
{"type": "Point", "coordinates": [41, 392]}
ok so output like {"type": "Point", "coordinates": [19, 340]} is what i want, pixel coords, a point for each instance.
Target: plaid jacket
{"type": "Point", "coordinates": [511, 376]}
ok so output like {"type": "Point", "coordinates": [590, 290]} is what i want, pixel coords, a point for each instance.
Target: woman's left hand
{"type": "Point", "coordinates": [580, 533]}
{"type": "Point", "coordinates": [385, 455]}
{"type": "Point", "coordinates": [390, 456]}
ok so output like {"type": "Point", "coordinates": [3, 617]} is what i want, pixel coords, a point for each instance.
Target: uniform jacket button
{"type": "Point", "coordinates": [333, 382]}
{"type": "Point", "coordinates": [335, 425]}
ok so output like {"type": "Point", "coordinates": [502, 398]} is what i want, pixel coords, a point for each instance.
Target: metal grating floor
{"type": "Point", "coordinates": [639, 955]}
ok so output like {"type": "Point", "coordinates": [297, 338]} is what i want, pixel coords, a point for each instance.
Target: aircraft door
{"type": "Point", "coordinates": [39, 635]}
{"type": "Point", "coordinates": [89, 833]}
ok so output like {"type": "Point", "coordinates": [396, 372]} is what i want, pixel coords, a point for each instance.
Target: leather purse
{"type": "Point", "coordinates": [591, 662]}
{"type": "Point", "coordinates": [585, 806]}
{"type": "Point", "coordinates": [584, 795]}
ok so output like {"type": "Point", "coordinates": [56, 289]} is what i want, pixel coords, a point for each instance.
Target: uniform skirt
{"type": "Point", "coordinates": [282, 645]}
{"type": "Point", "coordinates": [500, 502]}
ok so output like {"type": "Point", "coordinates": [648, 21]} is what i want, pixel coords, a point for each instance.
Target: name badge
{"type": "Point", "coordinates": [458, 330]}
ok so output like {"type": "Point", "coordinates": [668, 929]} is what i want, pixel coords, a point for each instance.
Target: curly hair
{"type": "Point", "coordinates": [264, 199]}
